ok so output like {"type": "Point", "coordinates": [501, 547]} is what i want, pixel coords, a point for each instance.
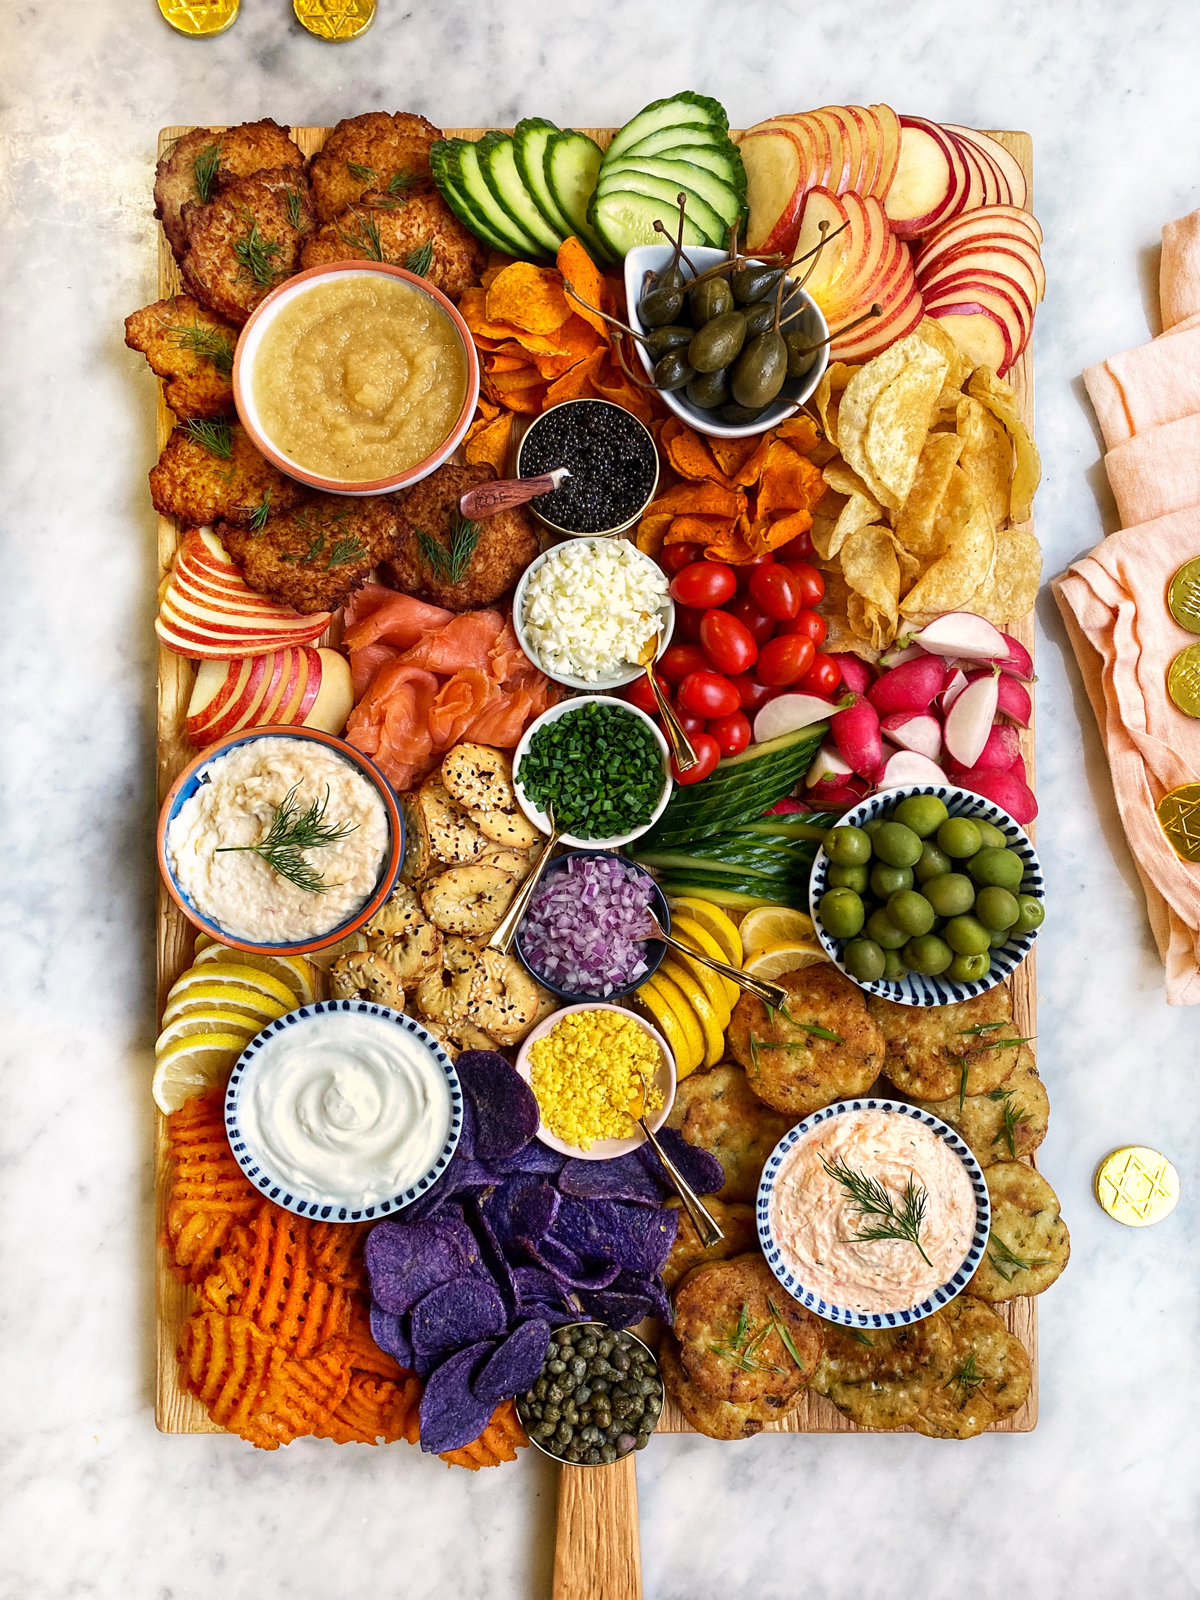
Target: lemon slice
{"type": "Point", "coordinates": [788, 955]}
{"type": "Point", "coordinates": [258, 1009]}
{"type": "Point", "coordinates": [714, 1032]}
{"type": "Point", "coordinates": [208, 1019]}
{"type": "Point", "coordinates": [192, 1065]}
{"type": "Point", "coordinates": [688, 931]}
{"type": "Point", "coordinates": [264, 984]}
{"type": "Point", "coordinates": [295, 971]}
{"type": "Point", "coordinates": [774, 925]}
{"type": "Point", "coordinates": [662, 1014]}
{"type": "Point", "coordinates": [716, 923]}
{"type": "Point", "coordinates": [203, 940]}
{"type": "Point", "coordinates": [673, 995]}
{"type": "Point", "coordinates": [711, 982]}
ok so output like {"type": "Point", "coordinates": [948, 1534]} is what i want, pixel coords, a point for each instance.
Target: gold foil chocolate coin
{"type": "Point", "coordinates": [1183, 680]}
{"type": "Point", "coordinates": [1136, 1186]}
{"type": "Point", "coordinates": [336, 20]}
{"type": "Point", "coordinates": [200, 19]}
{"type": "Point", "coordinates": [1179, 818]}
{"type": "Point", "coordinates": [1183, 597]}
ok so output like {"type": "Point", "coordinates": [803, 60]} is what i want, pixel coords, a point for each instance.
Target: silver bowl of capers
{"type": "Point", "coordinates": [599, 1396]}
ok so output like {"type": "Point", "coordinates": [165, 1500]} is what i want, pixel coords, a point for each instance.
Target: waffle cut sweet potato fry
{"type": "Point", "coordinates": [498, 1442]}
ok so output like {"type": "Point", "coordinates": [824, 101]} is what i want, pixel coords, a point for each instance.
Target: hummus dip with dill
{"type": "Point", "coordinates": [211, 841]}
{"type": "Point", "coordinates": [817, 1222]}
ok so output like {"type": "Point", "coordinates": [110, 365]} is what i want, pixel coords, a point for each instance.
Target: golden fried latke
{"type": "Point", "coordinates": [795, 1069]}
{"type": "Point", "coordinates": [506, 545]}
{"type": "Point", "coordinates": [397, 234]}
{"type": "Point", "coordinates": [719, 1419]}
{"type": "Point", "coordinates": [191, 349]}
{"type": "Point", "coordinates": [736, 1223]}
{"type": "Point", "coordinates": [246, 240]}
{"type": "Point", "coordinates": [240, 153]}
{"type": "Point", "coordinates": [718, 1112]}
{"type": "Point", "coordinates": [929, 1047]}
{"type": "Point", "coordinates": [1029, 1245]}
{"type": "Point", "coordinates": [728, 1317]}
{"type": "Point", "coordinates": [381, 154]}
{"type": "Point", "coordinates": [878, 1378]}
{"type": "Point", "coordinates": [210, 471]}
{"type": "Point", "coordinates": [1005, 1124]}
{"type": "Point", "coordinates": [986, 1377]}
{"type": "Point", "coordinates": [313, 556]}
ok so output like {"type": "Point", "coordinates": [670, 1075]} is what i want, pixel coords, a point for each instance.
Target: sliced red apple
{"type": "Point", "coordinates": [969, 280]}
{"type": "Point", "coordinates": [989, 219]}
{"type": "Point", "coordinates": [980, 337]}
{"type": "Point", "coordinates": [220, 689]}
{"type": "Point", "coordinates": [208, 611]}
{"type": "Point", "coordinates": [821, 205]}
{"type": "Point", "coordinates": [869, 140]}
{"type": "Point", "coordinates": [841, 152]}
{"type": "Point", "coordinates": [978, 178]}
{"type": "Point", "coordinates": [998, 301]}
{"type": "Point", "coordinates": [335, 697]}
{"type": "Point", "coordinates": [931, 179]}
{"type": "Point", "coordinates": [1012, 257]}
{"type": "Point", "coordinates": [1005, 162]}
{"type": "Point", "coordinates": [776, 178]}
{"type": "Point", "coordinates": [889, 150]}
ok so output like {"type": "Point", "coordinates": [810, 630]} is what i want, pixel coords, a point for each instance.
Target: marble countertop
{"type": "Point", "coordinates": [1101, 1499]}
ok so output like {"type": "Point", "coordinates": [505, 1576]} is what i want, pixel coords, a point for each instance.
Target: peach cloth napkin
{"type": "Point", "coordinates": [1114, 600]}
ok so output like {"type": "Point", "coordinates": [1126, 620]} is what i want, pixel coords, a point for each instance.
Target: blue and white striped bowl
{"type": "Point", "coordinates": [917, 989]}
{"type": "Point", "coordinates": [901, 1317]}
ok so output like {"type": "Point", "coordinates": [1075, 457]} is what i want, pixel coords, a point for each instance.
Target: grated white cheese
{"type": "Point", "coordinates": [590, 608]}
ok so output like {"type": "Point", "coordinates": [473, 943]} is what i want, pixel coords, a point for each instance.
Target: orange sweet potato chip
{"type": "Point", "coordinates": [472, 307]}
{"type": "Point", "coordinates": [731, 455]}
{"type": "Point", "coordinates": [701, 499]}
{"type": "Point", "coordinates": [789, 481]}
{"type": "Point", "coordinates": [497, 261]}
{"type": "Point", "coordinates": [529, 402]}
{"type": "Point", "coordinates": [700, 530]}
{"type": "Point", "coordinates": [578, 269]}
{"type": "Point", "coordinates": [525, 377]}
{"type": "Point", "coordinates": [577, 383]}
{"type": "Point", "coordinates": [784, 529]}
{"type": "Point", "coordinates": [572, 343]}
{"type": "Point", "coordinates": [612, 384]}
{"type": "Point", "coordinates": [801, 433]}
{"type": "Point", "coordinates": [490, 443]}
{"type": "Point", "coordinates": [529, 297]}
{"type": "Point", "coordinates": [689, 453]}
{"type": "Point", "coordinates": [502, 363]}
{"type": "Point", "coordinates": [652, 530]}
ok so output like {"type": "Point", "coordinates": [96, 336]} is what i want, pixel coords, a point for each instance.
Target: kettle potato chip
{"type": "Point", "coordinates": [986, 456]}
{"type": "Point", "coordinates": [1001, 401]}
{"type": "Point", "coordinates": [870, 568]}
{"type": "Point", "coordinates": [860, 395]}
{"type": "Point", "coordinates": [963, 567]}
{"type": "Point", "coordinates": [916, 522]}
{"type": "Point", "coordinates": [1011, 589]}
{"type": "Point", "coordinates": [898, 423]}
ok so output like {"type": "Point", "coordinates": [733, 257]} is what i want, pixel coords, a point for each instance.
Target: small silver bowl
{"type": "Point", "coordinates": [599, 1327]}
{"type": "Point", "coordinates": [584, 533]}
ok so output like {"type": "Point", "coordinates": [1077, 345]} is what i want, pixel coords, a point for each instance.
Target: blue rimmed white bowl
{"type": "Point", "coordinates": [920, 989]}
{"type": "Point", "coordinates": [328, 1207]}
{"type": "Point", "coordinates": [904, 1315]}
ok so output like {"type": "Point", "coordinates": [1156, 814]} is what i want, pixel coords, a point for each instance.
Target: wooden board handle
{"type": "Point", "coordinates": [598, 1551]}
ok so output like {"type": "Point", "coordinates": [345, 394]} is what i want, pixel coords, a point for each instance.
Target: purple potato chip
{"type": "Point", "coordinates": [647, 1286]}
{"type": "Point", "coordinates": [535, 1157]}
{"type": "Point", "coordinates": [405, 1260]}
{"type": "Point", "coordinates": [506, 1112]}
{"type": "Point", "coordinates": [634, 1237]}
{"type": "Point", "coordinates": [622, 1178]}
{"type": "Point", "coordinates": [456, 1314]}
{"type": "Point", "coordinates": [450, 1414]}
{"type": "Point", "coordinates": [494, 1257]}
{"type": "Point", "coordinates": [390, 1334]}
{"type": "Point", "coordinates": [464, 1177]}
{"type": "Point", "coordinates": [466, 1139]}
{"type": "Point", "coordinates": [701, 1169]}
{"type": "Point", "coordinates": [536, 1283]}
{"type": "Point", "coordinates": [565, 1266]}
{"type": "Point", "coordinates": [515, 1366]}
{"type": "Point", "coordinates": [524, 1206]}
{"type": "Point", "coordinates": [618, 1310]}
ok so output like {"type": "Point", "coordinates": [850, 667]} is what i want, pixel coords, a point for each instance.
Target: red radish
{"type": "Point", "coordinates": [1002, 748]}
{"type": "Point", "coordinates": [910, 687]}
{"type": "Point", "coordinates": [1012, 697]}
{"type": "Point", "coordinates": [908, 766]}
{"type": "Point", "coordinates": [786, 808]}
{"type": "Point", "coordinates": [899, 654]}
{"type": "Point", "coordinates": [914, 730]}
{"type": "Point", "coordinates": [856, 674]}
{"type": "Point", "coordinates": [1006, 789]}
{"type": "Point", "coordinates": [1018, 662]}
{"type": "Point", "coordinates": [953, 689]}
{"type": "Point", "coordinates": [856, 734]}
{"type": "Point", "coordinates": [962, 633]}
{"type": "Point", "coordinates": [787, 712]}
{"type": "Point", "coordinates": [1018, 769]}
{"type": "Point", "coordinates": [969, 720]}
{"type": "Point", "coordinates": [839, 799]}
{"type": "Point", "coordinates": [827, 767]}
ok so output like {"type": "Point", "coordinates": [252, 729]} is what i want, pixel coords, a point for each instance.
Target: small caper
{"type": "Point", "coordinates": [587, 1348]}
{"type": "Point", "coordinates": [578, 1368]}
{"type": "Point", "coordinates": [600, 1386]}
{"type": "Point", "coordinates": [583, 1394]}
{"type": "Point", "coordinates": [608, 1454]}
{"type": "Point", "coordinates": [620, 1360]}
{"type": "Point", "coordinates": [556, 1367]}
{"type": "Point", "coordinates": [594, 1457]}
{"type": "Point", "coordinates": [542, 1388]}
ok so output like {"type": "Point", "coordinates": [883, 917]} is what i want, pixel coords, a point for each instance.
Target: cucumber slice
{"type": "Point", "coordinates": [681, 110]}
{"type": "Point", "coordinates": [473, 185]}
{"type": "Point", "coordinates": [443, 163]}
{"type": "Point", "coordinates": [530, 138]}
{"type": "Point", "coordinates": [664, 192]}
{"type": "Point", "coordinates": [713, 158]}
{"type": "Point", "coordinates": [690, 135]}
{"type": "Point", "coordinates": [624, 218]}
{"type": "Point", "coordinates": [572, 162]}
{"type": "Point", "coordinates": [714, 191]}
{"type": "Point", "coordinates": [498, 163]}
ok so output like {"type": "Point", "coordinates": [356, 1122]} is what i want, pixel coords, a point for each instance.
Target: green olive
{"type": "Point", "coordinates": [969, 969]}
{"type": "Point", "coordinates": [759, 318]}
{"type": "Point", "coordinates": [991, 835]}
{"type": "Point", "coordinates": [1031, 913]}
{"type": "Point", "coordinates": [894, 969]}
{"type": "Point", "coordinates": [967, 936]}
{"type": "Point", "coordinates": [897, 845]}
{"type": "Point", "coordinates": [886, 880]}
{"type": "Point", "coordinates": [841, 913]}
{"type": "Point", "coordinates": [863, 959]}
{"type": "Point", "coordinates": [759, 371]}
{"type": "Point", "coordinates": [1000, 937]}
{"type": "Point", "coordinates": [657, 307]}
{"type": "Point", "coordinates": [755, 282]}
{"type": "Point", "coordinates": [740, 416]}
{"type": "Point", "coordinates": [928, 955]}
{"type": "Point", "coordinates": [884, 931]}
{"type": "Point", "coordinates": [910, 912]}
{"type": "Point", "coordinates": [923, 813]}
{"type": "Point", "coordinates": [951, 894]}
{"type": "Point", "coordinates": [672, 372]}
{"type": "Point", "coordinates": [872, 827]}
{"type": "Point", "coordinates": [933, 863]}
{"type": "Point", "coordinates": [997, 909]}
{"type": "Point", "coordinates": [672, 337]}
{"type": "Point", "coordinates": [712, 298]}
{"type": "Point", "coordinates": [959, 837]}
{"type": "Point", "coordinates": [855, 878]}
{"type": "Point", "coordinates": [1002, 868]}
{"type": "Point", "coordinates": [718, 342]}
{"type": "Point", "coordinates": [847, 847]}
{"type": "Point", "coordinates": [801, 353]}
{"type": "Point", "coordinates": [708, 390]}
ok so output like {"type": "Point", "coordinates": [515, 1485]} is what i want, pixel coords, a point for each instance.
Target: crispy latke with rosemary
{"type": "Point", "coordinates": [1004, 1124]}
{"type": "Point", "coordinates": [190, 169]}
{"type": "Point", "coordinates": [442, 558]}
{"type": "Point", "coordinates": [191, 349]}
{"type": "Point", "coordinates": [210, 472]}
{"type": "Point", "coordinates": [246, 240]}
{"type": "Point", "coordinates": [717, 1111]}
{"type": "Point", "coordinates": [934, 1052]}
{"type": "Point", "coordinates": [423, 235]}
{"type": "Point", "coordinates": [314, 555]}
{"type": "Point", "coordinates": [741, 1335]}
{"type": "Point", "coordinates": [380, 156]}
{"type": "Point", "coordinates": [1029, 1245]}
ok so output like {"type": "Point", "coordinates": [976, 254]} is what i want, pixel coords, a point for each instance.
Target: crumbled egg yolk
{"type": "Point", "coordinates": [585, 1075]}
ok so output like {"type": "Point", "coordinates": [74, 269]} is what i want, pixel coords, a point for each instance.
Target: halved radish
{"type": "Point", "coordinates": [907, 766]}
{"type": "Point", "coordinates": [1018, 663]}
{"type": "Point", "coordinates": [1002, 748]}
{"type": "Point", "coordinates": [1012, 698]}
{"type": "Point", "coordinates": [914, 730]}
{"type": "Point", "coordinates": [787, 712]}
{"type": "Point", "coordinates": [856, 674]}
{"type": "Point", "coordinates": [1006, 789]}
{"type": "Point", "coordinates": [969, 721]}
{"type": "Point", "coordinates": [953, 689]}
{"type": "Point", "coordinates": [827, 767]}
{"type": "Point", "coordinates": [896, 655]}
{"type": "Point", "coordinates": [909, 687]}
{"type": "Point", "coordinates": [964, 635]}
{"type": "Point", "coordinates": [855, 731]}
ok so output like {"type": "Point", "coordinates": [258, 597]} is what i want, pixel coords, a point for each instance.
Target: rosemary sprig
{"type": "Point", "coordinates": [366, 239]}
{"type": "Point", "coordinates": [742, 1347]}
{"type": "Point", "coordinates": [254, 254]}
{"type": "Point", "coordinates": [962, 1086]}
{"type": "Point", "coordinates": [290, 834]}
{"type": "Point", "coordinates": [293, 206]}
{"type": "Point", "coordinates": [783, 1333]}
{"type": "Point", "coordinates": [213, 434]}
{"type": "Point", "coordinates": [1009, 1258]}
{"type": "Point", "coordinates": [207, 342]}
{"type": "Point", "coordinates": [204, 170]}
{"type": "Point", "coordinates": [363, 174]}
{"type": "Point", "coordinates": [967, 1378]}
{"type": "Point", "coordinates": [421, 259]}
{"type": "Point", "coordinates": [345, 550]}
{"type": "Point", "coordinates": [870, 1198]}
{"type": "Point", "coordinates": [1012, 1120]}
{"type": "Point", "coordinates": [861, 1337]}
{"type": "Point", "coordinates": [451, 563]}
{"type": "Point", "coordinates": [992, 1044]}
{"type": "Point", "coordinates": [258, 517]}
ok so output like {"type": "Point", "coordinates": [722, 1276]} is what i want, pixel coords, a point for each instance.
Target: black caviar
{"type": "Point", "coordinates": [598, 1398]}
{"type": "Point", "coordinates": [611, 459]}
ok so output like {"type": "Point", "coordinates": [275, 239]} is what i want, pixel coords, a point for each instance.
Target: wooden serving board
{"type": "Point", "coordinates": [616, 1573]}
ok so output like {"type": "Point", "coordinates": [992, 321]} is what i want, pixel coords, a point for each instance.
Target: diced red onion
{"type": "Point", "coordinates": [581, 930]}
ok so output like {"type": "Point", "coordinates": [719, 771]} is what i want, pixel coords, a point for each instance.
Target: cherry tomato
{"type": "Point", "coordinates": [729, 643]}
{"type": "Point", "coordinates": [812, 584]}
{"type": "Point", "coordinates": [761, 626]}
{"type": "Point", "coordinates": [687, 623]}
{"type": "Point", "coordinates": [776, 591]}
{"type": "Point", "coordinates": [688, 721]}
{"type": "Point", "coordinates": [798, 549]}
{"type": "Point", "coordinates": [811, 624]}
{"type": "Point", "coordinates": [708, 694]}
{"type": "Point", "coordinates": [640, 694]}
{"type": "Point", "coordinates": [823, 677]}
{"type": "Point", "coordinates": [731, 733]}
{"type": "Point", "coordinates": [709, 752]}
{"type": "Point", "coordinates": [703, 584]}
{"type": "Point", "coordinates": [751, 693]}
{"type": "Point", "coordinates": [747, 569]}
{"type": "Point", "coordinates": [675, 557]}
{"type": "Point", "coordinates": [786, 659]}
{"type": "Point", "coordinates": [677, 660]}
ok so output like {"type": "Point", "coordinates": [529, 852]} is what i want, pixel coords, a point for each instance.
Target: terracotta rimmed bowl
{"type": "Point", "coordinates": [664, 1081]}
{"type": "Point", "coordinates": [251, 338]}
{"type": "Point", "coordinates": [193, 775]}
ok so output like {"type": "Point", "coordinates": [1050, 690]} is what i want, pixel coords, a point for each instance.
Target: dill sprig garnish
{"type": "Point", "coordinates": [366, 239]}
{"type": "Point", "coordinates": [254, 255]}
{"type": "Point", "coordinates": [316, 543]}
{"type": "Point", "coordinates": [967, 1378]}
{"type": "Point", "coordinates": [293, 206]}
{"type": "Point", "coordinates": [421, 259]}
{"type": "Point", "coordinates": [207, 342]}
{"type": "Point", "coordinates": [258, 517]}
{"type": "Point", "coordinates": [346, 550]}
{"type": "Point", "coordinates": [213, 434]}
{"type": "Point", "coordinates": [872, 1199]}
{"type": "Point", "coordinates": [1008, 1258]}
{"type": "Point", "coordinates": [862, 1338]}
{"type": "Point", "coordinates": [204, 170]}
{"type": "Point", "coordinates": [401, 182]}
{"type": "Point", "coordinates": [363, 174]}
{"type": "Point", "coordinates": [290, 835]}
{"type": "Point", "coordinates": [451, 563]}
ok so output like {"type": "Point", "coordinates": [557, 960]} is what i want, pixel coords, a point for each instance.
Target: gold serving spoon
{"type": "Point", "coordinates": [681, 746]}
{"type": "Point", "coordinates": [506, 929]}
{"type": "Point", "coordinates": [771, 994]}
{"type": "Point", "coordinates": [703, 1220]}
